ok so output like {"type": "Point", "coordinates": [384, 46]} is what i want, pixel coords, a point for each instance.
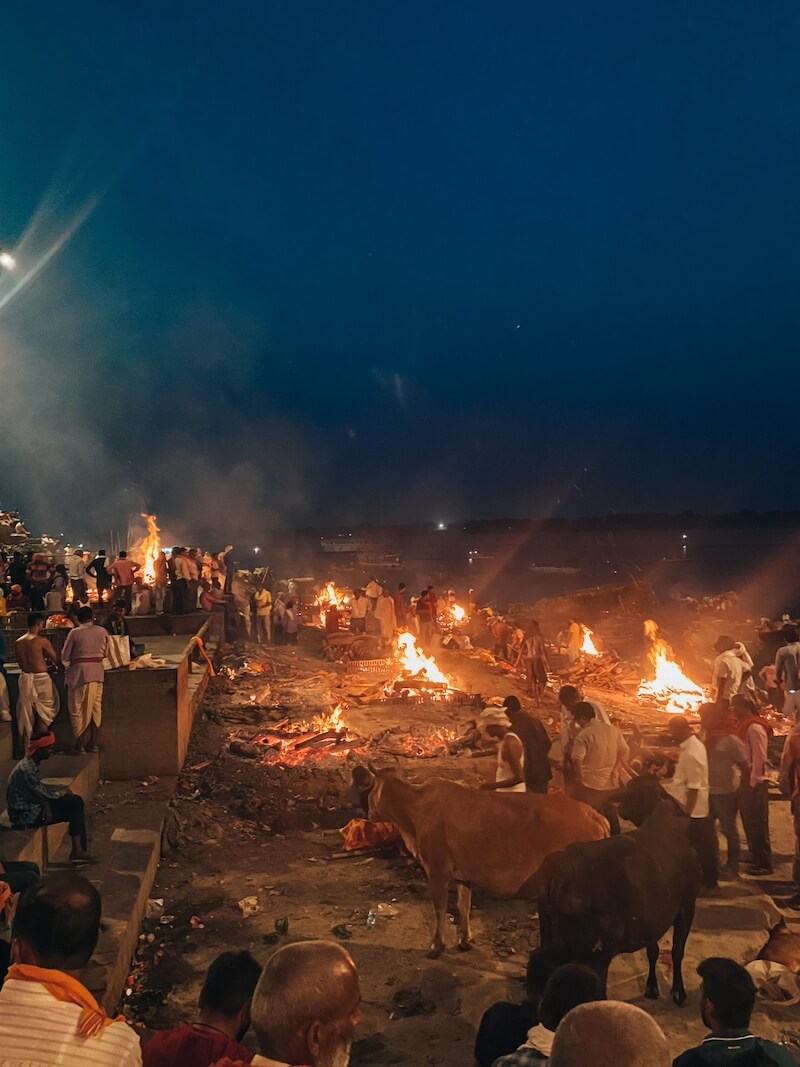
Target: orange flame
{"type": "Point", "coordinates": [328, 595]}
{"type": "Point", "coordinates": [588, 647]}
{"type": "Point", "coordinates": [669, 685]}
{"type": "Point", "coordinates": [415, 663]}
{"type": "Point", "coordinates": [149, 549]}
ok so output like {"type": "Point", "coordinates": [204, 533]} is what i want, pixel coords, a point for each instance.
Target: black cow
{"type": "Point", "coordinates": [602, 898]}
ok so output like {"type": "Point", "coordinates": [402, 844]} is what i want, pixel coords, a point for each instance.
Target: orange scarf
{"type": "Point", "coordinates": [93, 1020]}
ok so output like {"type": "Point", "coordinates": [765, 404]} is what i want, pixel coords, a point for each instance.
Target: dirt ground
{"type": "Point", "coordinates": [241, 828]}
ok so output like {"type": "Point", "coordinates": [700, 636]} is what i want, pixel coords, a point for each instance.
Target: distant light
{"type": "Point", "coordinates": [441, 526]}
{"type": "Point", "coordinates": [684, 537]}
{"type": "Point", "coordinates": [7, 261]}
{"type": "Point", "coordinates": [256, 549]}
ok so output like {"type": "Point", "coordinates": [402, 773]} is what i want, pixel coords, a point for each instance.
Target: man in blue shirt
{"type": "Point", "coordinates": [727, 996]}
{"type": "Point", "coordinates": [31, 804]}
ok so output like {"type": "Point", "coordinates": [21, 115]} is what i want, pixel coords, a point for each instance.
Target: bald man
{"type": "Point", "coordinates": [606, 1034]}
{"type": "Point", "coordinates": [306, 1006]}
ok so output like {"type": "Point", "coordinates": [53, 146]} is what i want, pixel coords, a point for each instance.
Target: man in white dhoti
{"type": "Point", "coordinates": [84, 651]}
{"type": "Point", "coordinates": [38, 702]}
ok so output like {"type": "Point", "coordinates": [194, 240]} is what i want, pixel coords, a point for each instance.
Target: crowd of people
{"type": "Point", "coordinates": [304, 1006]}
{"type": "Point", "coordinates": [31, 581]}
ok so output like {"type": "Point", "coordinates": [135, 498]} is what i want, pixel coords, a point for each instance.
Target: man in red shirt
{"type": "Point", "coordinates": [224, 1018]}
{"type": "Point", "coordinates": [122, 570]}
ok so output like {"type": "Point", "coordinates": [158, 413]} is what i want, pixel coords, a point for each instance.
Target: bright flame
{"type": "Point", "coordinates": [458, 612]}
{"type": "Point", "coordinates": [333, 721]}
{"type": "Point", "coordinates": [149, 549]}
{"type": "Point", "coordinates": [328, 595]}
{"type": "Point", "coordinates": [414, 661]}
{"type": "Point", "coordinates": [669, 686]}
{"type": "Point", "coordinates": [588, 646]}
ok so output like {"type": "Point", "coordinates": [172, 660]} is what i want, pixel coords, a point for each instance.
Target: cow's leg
{"type": "Point", "coordinates": [680, 931]}
{"type": "Point", "coordinates": [651, 988]}
{"type": "Point", "coordinates": [464, 909]}
{"type": "Point", "coordinates": [439, 886]}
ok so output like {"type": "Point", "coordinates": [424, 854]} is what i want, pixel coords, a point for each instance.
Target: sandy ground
{"type": "Point", "coordinates": [415, 1009]}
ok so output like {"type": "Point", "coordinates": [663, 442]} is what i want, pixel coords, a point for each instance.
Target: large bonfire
{"type": "Point", "coordinates": [669, 686]}
{"type": "Point", "coordinates": [149, 549]}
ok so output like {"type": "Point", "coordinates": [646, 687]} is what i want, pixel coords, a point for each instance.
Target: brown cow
{"type": "Point", "coordinates": [495, 842]}
{"type": "Point", "coordinates": [782, 947]}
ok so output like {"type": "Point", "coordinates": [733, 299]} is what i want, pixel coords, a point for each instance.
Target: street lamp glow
{"type": "Point", "coordinates": [7, 261]}
{"type": "Point", "coordinates": [256, 550]}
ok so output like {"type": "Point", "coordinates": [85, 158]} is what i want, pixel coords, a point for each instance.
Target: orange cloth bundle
{"type": "Point", "coordinates": [361, 833]}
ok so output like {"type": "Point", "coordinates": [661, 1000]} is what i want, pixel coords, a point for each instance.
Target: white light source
{"type": "Point", "coordinates": [7, 261]}
{"type": "Point", "coordinates": [256, 549]}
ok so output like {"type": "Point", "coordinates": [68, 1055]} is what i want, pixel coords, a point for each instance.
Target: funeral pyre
{"type": "Point", "coordinates": [669, 687]}
{"type": "Point", "coordinates": [332, 598]}
{"type": "Point", "coordinates": [409, 677]}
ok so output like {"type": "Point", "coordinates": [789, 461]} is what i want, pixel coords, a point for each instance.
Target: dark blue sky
{"type": "Point", "coordinates": [398, 260]}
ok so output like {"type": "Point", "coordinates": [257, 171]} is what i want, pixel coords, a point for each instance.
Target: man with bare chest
{"type": "Point", "coordinates": [38, 702]}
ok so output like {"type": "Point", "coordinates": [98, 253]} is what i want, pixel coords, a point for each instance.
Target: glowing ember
{"type": "Point", "coordinates": [588, 647]}
{"type": "Point", "coordinates": [669, 686]}
{"type": "Point", "coordinates": [148, 549]}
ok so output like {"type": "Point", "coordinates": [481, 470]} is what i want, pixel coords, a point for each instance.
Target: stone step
{"type": "Point", "coordinates": [127, 847]}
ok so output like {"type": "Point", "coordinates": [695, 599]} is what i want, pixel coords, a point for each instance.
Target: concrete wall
{"type": "Point", "coordinates": [147, 719]}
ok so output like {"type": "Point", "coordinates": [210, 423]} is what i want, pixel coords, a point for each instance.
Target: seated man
{"type": "Point", "coordinates": [306, 1007]}
{"type": "Point", "coordinates": [224, 1018]}
{"type": "Point", "coordinates": [46, 1015]}
{"type": "Point", "coordinates": [727, 996]}
{"type": "Point", "coordinates": [566, 988]}
{"type": "Point", "coordinates": [32, 804]}
{"type": "Point", "coordinates": [504, 1026]}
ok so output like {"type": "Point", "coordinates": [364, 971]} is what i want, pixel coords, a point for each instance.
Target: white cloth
{"type": "Point", "coordinates": [598, 748]}
{"type": "Point", "coordinates": [373, 590]}
{"type": "Point", "coordinates": [85, 706]}
{"type": "Point", "coordinates": [36, 691]}
{"type": "Point", "coordinates": [505, 770]}
{"type": "Point", "coordinates": [691, 773]}
{"type": "Point", "coordinates": [36, 1030]}
{"type": "Point", "coordinates": [540, 1038]}
{"type": "Point", "coordinates": [119, 652]}
{"type": "Point", "coordinates": [386, 616]}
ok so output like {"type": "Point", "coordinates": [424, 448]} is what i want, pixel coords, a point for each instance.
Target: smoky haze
{"type": "Point", "coordinates": [310, 265]}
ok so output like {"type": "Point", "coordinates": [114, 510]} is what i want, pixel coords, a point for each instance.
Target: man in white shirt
{"type": "Point", "coordinates": [76, 572]}
{"type": "Point", "coordinates": [597, 751]}
{"type": "Point", "coordinates": [787, 672]}
{"type": "Point", "coordinates": [359, 606]}
{"type": "Point", "coordinates": [689, 787]}
{"type": "Point", "coordinates": [728, 671]}
{"type": "Point", "coordinates": [47, 1016]}
{"type": "Point", "coordinates": [306, 1006]}
{"type": "Point", "coordinates": [373, 591]}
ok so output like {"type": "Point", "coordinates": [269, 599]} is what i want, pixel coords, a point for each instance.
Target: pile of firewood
{"type": "Point", "coordinates": [342, 646]}
{"type": "Point", "coordinates": [606, 671]}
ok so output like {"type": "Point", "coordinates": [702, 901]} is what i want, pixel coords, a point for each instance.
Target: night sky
{"type": "Point", "coordinates": [397, 261]}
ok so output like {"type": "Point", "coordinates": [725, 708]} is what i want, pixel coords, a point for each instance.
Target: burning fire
{"type": "Point", "coordinates": [328, 595]}
{"type": "Point", "coordinates": [416, 664]}
{"type": "Point", "coordinates": [588, 647]}
{"type": "Point", "coordinates": [669, 686]}
{"type": "Point", "coordinates": [149, 549]}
